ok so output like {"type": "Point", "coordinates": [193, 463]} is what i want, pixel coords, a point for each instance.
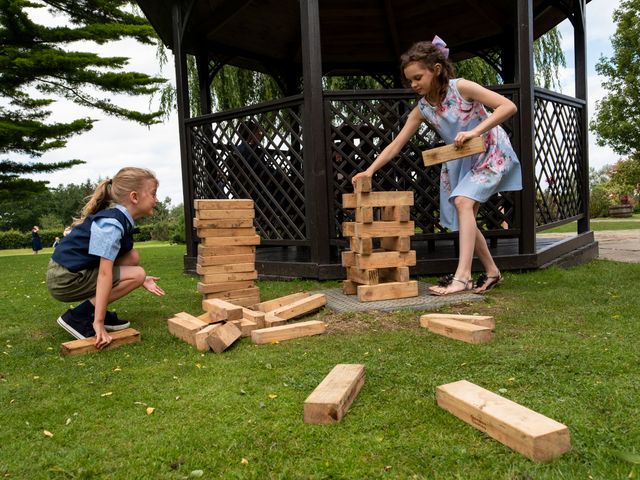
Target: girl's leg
{"type": "Point", "coordinates": [482, 250]}
{"type": "Point", "coordinates": [130, 278]}
{"type": "Point", "coordinates": [131, 258]}
{"type": "Point", "coordinates": [466, 208]}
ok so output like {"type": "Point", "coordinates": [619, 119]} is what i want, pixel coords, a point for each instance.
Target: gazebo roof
{"type": "Point", "coordinates": [356, 35]}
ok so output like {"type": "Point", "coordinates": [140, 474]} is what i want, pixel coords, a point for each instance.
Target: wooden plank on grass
{"type": "Point", "coordinates": [270, 320]}
{"type": "Point", "coordinates": [301, 307]}
{"type": "Point", "coordinates": [229, 277]}
{"type": "Point", "coordinates": [532, 434]}
{"type": "Point", "coordinates": [246, 326]}
{"type": "Point", "coordinates": [86, 345]}
{"type": "Point", "coordinates": [200, 337]}
{"type": "Point", "coordinates": [434, 156]}
{"type": "Point", "coordinates": [227, 268]}
{"type": "Point", "coordinates": [222, 223]}
{"type": "Point", "coordinates": [384, 259]}
{"type": "Point", "coordinates": [269, 305]}
{"type": "Point", "coordinates": [288, 332]}
{"type": "Point", "coordinates": [185, 326]}
{"type": "Point", "coordinates": [228, 241]}
{"type": "Point", "coordinates": [223, 337]}
{"type": "Point", "coordinates": [222, 310]}
{"type": "Point", "coordinates": [376, 199]}
{"type": "Point", "coordinates": [331, 399]}
{"type": "Point", "coordinates": [222, 204]}
{"type": "Point", "coordinates": [216, 287]}
{"type": "Point", "coordinates": [245, 214]}
{"type": "Point", "coordinates": [226, 232]}
{"type": "Point", "coordinates": [387, 291]}
{"type": "Point", "coordinates": [463, 331]}
{"type": "Point", "coordinates": [246, 301]}
{"type": "Point", "coordinates": [482, 320]}
{"type": "Point", "coordinates": [225, 250]}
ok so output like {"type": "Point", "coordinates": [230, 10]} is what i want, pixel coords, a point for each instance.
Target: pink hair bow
{"type": "Point", "coordinates": [440, 45]}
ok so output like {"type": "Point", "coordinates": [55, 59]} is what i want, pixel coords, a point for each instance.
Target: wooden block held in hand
{"type": "Point", "coordinates": [86, 345]}
{"type": "Point", "coordinates": [223, 337]}
{"type": "Point", "coordinates": [301, 307]}
{"type": "Point", "coordinates": [466, 332]}
{"type": "Point", "coordinates": [287, 332]}
{"type": "Point", "coordinates": [482, 320]}
{"type": "Point", "coordinates": [534, 435]}
{"type": "Point", "coordinates": [331, 399]}
{"type": "Point", "coordinates": [363, 184]}
{"type": "Point", "coordinates": [438, 155]}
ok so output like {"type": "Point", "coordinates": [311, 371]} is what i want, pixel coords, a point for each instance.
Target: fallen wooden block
{"type": "Point", "coordinates": [300, 307]}
{"type": "Point", "coordinates": [270, 305]}
{"type": "Point", "coordinates": [185, 326]}
{"type": "Point", "coordinates": [86, 345]}
{"type": "Point", "coordinates": [287, 332]}
{"type": "Point", "coordinates": [482, 320]}
{"type": "Point", "coordinates": [223, 336]}
{"type": "Point", "coordinates": [438, 155]}
{"type": "Point", "coordinates": [254, 316]}
{"type": "Point", "coordinates": [387, 291]}
{"type": "Point", "coordinates": [222, 310]}
{"type": "Point", "coordinates": [331, 399]}
{"type": "Point", "coordinates": [246, 301]}
{"type": "Point", "coordinates": [231, 295]}
{"type": "Point", "coordinates": [535, 436]}
{"type": "Point", "coordinates": [270, 320]}
{"type": "Point", "coordinates": [200, 337]}
{"type": "Point", "coordinates": [246, 326]}
{"type": "Point", "coordinates": [466, 332]}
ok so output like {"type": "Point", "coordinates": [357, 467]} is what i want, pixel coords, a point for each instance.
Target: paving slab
{"type": "Point", "coordinates": [618, 245]}
{"type": "Point", "coordinates": [339, 302]}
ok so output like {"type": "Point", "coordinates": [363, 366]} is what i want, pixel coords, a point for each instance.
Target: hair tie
{"type": "Point", "coordinates": [440, 45]}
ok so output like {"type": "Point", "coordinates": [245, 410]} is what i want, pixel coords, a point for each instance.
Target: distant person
{"type": "Point", "coordinates": [56, 242]}
{"type": "Point", "coordinates": [36, 243]}
{"type": "Point", "coordinates": [96, 261]}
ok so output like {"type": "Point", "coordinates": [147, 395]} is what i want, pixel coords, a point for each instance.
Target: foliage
{"type": "Point", "coordinates": [562, 348]}
{"type": "Point", "coordinates": [16, 239]}
{"type": "Point", "coordinates": [625, 175]}
{"type": "Point", "coordinates": [599, 201]}
{"type": "Point", "coordinates": [39, 65]}
{"type": "Point", "coordinates": [617, 119]}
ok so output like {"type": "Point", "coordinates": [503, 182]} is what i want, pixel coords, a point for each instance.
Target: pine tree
{"type": "Point", "coordinates": [38, 65]}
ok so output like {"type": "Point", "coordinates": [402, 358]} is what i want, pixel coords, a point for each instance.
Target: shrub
{"type": "Point", "coordinates": [16, 239]}
{"type": "Point", "coordinates": [599, 201]}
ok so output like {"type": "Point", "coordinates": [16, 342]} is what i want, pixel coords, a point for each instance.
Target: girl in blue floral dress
{"type": "Point", "coordinates": [455, 109]}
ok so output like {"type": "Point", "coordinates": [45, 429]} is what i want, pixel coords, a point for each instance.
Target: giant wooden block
{"type": "Point", "coordinates": [225, 250]}
{"type": "Point", "coordinates": [348, 258]}
{"type": "Point", "coordinates": [254, 316]}
{"type": "Point", "coordinates": [534, 435]}
{"type": "Point", "coordinates": [223, 336]}
{"type": "Point", "coordinates": [222, 204]}
{"type": "Point", "coordinates": [228, 241]}
{"type": "Point", "coordinates": [377, 199]}
{"type": "Point", "coordinates": [227, 268]}
{"type": "Point", "coordinates": [363, 246]}
{"type": "Point", "coordinates": [224, 286]}
{"type": "Point", "coordinates": [349, 287]}
{"type": "Point", "coordinates": [246, 301]}
{"type": "Point", "coordinates": [288, 332]}
{"type": "Point", "coordinates": [232, 295]}
{"type": "Point", "coordinates": [225, 259]}
{"type": "Point", "coordinates": [466, 332]}
{"type": "Point", "coordinates": [331, 399]}
{"type": "Point", "coordinates": [86, 345]}
{"type": "Point", "coordinates": [270, 305]}
{"type": "Point", "coordinates": [383, 229]}
{"type": "Point", "coordinates": [363, 276]}
{"type": "Point", "coordinates": [200, 223]}
{"type": "Point", "coordinates": [393, 274]}
{"type": "Point", "coordinates": [185, 326]}
{"type": "Point", "coordinates": [201, 336]}
{"type": "Point", "coordinates": [387, 291]}
{"type": "Point", "coordinates": [229, 277]}
{"type": "Point", "coordinates": [363, 184]}
{"type": "Point", "coordinates": [246, 326]}
{"type": "Point", "coordinates": [384, 259]}
{"type": "Point", "coordinates": [222, 310]}
{"type": "Point", "coordinates": [482, 320]}
{"type": "Point", "coordinates": [396, 244]}
{"type": "Point", "coordinates": [364, 214]}
{"type": "Point", "coordinates": [226, 232]}
{"type": "Point", "coordinates": [244, 214]}
{"type": "Point", "coordinates": [270, 320]}
{"type": "Point", "coordinates": [395, 214]}
{"type": "Point", "coordinates": [438, 155]}
{"type": "Point", "coordinates": [301, 307]}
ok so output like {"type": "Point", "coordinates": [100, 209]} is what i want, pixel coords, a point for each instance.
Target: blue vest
{"type": "Point", "coordinates": [73, 250]}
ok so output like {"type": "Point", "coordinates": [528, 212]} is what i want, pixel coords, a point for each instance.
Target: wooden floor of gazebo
{"type": "Point", "coordinates": [290, 262]}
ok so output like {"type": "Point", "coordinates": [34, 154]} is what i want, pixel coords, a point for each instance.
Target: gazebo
{"type": "Point", "coordinates": [295, 156]}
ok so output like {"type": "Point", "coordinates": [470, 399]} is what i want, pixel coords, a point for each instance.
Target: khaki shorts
{"type": "Point", "coordinates": [68, 286]}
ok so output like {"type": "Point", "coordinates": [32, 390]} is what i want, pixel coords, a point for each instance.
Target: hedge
{"type": "Point", "coordinates": [16, 239]}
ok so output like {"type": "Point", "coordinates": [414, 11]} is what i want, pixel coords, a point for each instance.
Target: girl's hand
{"type": "Point", "coordinates": [364, 174]}
{"type": "Point", "coordinates": [151, 286]}
{"type": "Point", "coordinates": [462, 137]}
{"type": "Point", "coordinates": [102, 337]}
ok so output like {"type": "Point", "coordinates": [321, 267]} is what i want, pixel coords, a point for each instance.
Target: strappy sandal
{"type": "Point", "coordinates": [486, 283]}
{"type": "Point", "coordinates": [448, 280]}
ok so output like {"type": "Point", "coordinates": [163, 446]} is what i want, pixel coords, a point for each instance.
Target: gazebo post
{"type": "Point", "coordinates": [580, 48]}
{"type": "Point", "coordinates": [524, 76]}
{"type": "Point", "coordinates": [313, 128]}
{"type": "Point", "coordinates": [185, 151]}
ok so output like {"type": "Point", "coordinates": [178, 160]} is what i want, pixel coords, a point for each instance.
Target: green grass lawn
{"type": "Point", "coordinates": [566, 345]}
{"type": "Point", "coordinates": [600, 224]}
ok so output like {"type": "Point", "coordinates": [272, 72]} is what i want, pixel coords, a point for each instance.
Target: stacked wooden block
{"type": "Point", "coordinates": [227, 251]}
{"type": "Point", "coordinates": [381, 273]}
{"type": "Point", "coordinates": [224, 322]}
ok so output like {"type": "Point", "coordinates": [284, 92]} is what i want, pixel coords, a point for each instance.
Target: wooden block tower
{"type": "Point", "coordinates": [382, 273]}
{"type": "Point", "coordinates": [227, 251]}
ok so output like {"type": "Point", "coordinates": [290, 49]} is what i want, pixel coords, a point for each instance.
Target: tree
{"type": "Point", "coordinates": [617, 119]}
{"type": "Point", "coordinates": [38, 66]}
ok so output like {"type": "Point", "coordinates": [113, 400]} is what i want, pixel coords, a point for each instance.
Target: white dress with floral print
{"type": "Point", "coordinates": [477, 176]}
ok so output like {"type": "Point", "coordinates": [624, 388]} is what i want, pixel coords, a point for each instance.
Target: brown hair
{"type": "Point", "coordinates": [115, 190]}
{"type": "Point", "coordinates": [428, 54]}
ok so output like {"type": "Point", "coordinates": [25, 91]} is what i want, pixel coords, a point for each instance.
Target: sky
{"type": "Point", "coordinates": [113, 143]}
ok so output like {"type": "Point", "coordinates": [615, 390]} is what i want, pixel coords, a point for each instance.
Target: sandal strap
{"type": "Point", "coordinates": [464, 282]}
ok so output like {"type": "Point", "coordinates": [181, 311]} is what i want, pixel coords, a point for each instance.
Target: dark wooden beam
{"type": "Point", "coordinates": [580, 53]}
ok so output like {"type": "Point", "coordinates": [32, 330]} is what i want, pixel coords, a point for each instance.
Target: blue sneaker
{"type": "Point", "coordinates": [112, 323]}
{"type": "Point", "coordinates": [79, 326]}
